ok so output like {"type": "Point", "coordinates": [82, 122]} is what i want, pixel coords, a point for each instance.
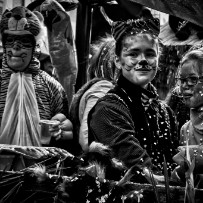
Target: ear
{"type": "Point", "coordinates": [43, 33]}
{"type": "Point", "coordinates": [39, 15]}
{"type": "Point", "coordinates": [117, 62]}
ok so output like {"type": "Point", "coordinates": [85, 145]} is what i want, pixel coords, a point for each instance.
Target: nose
{"type": "Point", "coordinates": [143, 62]}
{"type": "Point", "coordinates": [16, 45]}
{"type": "Point", "coordinates": [184, 84]}
{"type": "Point", "coordinates": [141, 57]}
{"type": "Point", "coordinates": [17, 17]}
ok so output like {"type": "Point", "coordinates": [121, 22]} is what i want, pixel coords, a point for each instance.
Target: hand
{"type": "Point", "coordinates": [175, 177]}
{"type": "Point", "coordinates": [159, 179]}
{"type": "Point", "coordinates": [63, 130]}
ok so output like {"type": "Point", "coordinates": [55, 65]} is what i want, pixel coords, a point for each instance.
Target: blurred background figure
{"type": "Point", "coordinates": [102, 74]}
{"type": "Point", "coordinates": [61, 42]}
{"type": "Point", "coordinates": [28, 94]}
{"type": "Point", "coordinates": [47, 66]}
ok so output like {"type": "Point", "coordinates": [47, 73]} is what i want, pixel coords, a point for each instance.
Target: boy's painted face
{"type": "Point", "coordinates": [139, 59]}
{"type": "Point", "coordinates": [19, 49]}
{"type": "Point", "coordinates": [191, 84]}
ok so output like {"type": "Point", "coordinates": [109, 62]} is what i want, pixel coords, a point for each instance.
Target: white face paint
{"type": "Point", "coordinates": [139, 59]}
{"type": "Point", "coordinates": [19, 50]}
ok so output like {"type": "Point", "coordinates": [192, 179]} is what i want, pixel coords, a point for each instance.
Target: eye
{"type": "Point", "coordinates": [9, 39]}
{"type": "Point", "coordinates": [28, 15]}
{"type": "Point", "coordinates": [193, 79]}
{"type": "Point", "coordinates": [133, 54]}
{"type": "Point", "coordinates": [151, 54]}
{"type": "Point", "coordinates": [8, 15]}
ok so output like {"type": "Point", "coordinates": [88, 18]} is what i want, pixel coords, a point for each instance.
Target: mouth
{"type": "Point", "coordinates": [17, 57]}
{"type": "Point", "coordinates": [22, 55]}
{"type": "Point", "coordinates": [187, 95]}
{"type": "Point", "coordinates": [144, 70]}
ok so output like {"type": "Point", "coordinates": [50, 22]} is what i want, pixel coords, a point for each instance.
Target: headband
{"type": "Point", "coordinates": [122, 28]}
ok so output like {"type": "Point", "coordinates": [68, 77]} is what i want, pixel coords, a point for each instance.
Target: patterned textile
{"type": "Point", "coordinates": [193, 129]}
{"type": "Point", "coordinates": [20, 120]}
{"type": "Point", "coordinates": [102, 63]}
{"type": "Point", "coordinates": [88, 100]}
{"type": "Point", "coordinates": [136, 136]}
{"type": "Point", "coordinates": [50, 95]}
{"type": "Point", "coordinates": [121, 28]}
{"type": "Point", "coordinates": [20, 20]}
{"type": "Point", "coordinates": [74, 106]}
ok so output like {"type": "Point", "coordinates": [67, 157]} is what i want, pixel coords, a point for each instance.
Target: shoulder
{"type": "Point", "coordinates": [111, 103]}
{"type": "Point", "coordinates": [104, 83]}
{"type": "Point", "coordinates": [50, 81]}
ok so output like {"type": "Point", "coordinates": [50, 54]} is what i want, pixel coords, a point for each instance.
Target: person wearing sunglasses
{"type": "Point", "coordinates": [27, 93]}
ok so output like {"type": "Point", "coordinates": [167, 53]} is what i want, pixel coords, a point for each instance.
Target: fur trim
{"type": "Point", "coordinates": [100, 148]}
{"type": "Point", "coordinates": [21, 20]}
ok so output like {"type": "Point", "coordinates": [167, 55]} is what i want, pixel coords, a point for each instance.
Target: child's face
{"type": "Point", "coordinates": [190, 83]}
{"type": "Point", "coordinates": [139, 59]}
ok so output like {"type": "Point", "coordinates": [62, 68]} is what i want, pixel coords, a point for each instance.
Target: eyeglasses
{"type": "Point", "coordinates": [193, 80]}
{"type": "Point", "coordinates": [25, 41]}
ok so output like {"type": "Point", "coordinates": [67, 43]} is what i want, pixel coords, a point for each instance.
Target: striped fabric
{"type": "Point", "coordinates": [121, 28]}
{"type": "Point", "coordinates": [145, 101]}
{"type": "Point", "coordinates": [51, 96]}
{"type": "Point", "coordinates": [20, 19]}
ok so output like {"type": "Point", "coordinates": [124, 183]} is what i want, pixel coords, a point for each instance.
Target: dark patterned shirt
{"type": "Point", "coordinates": [50, 95]}
{"type": "Point", "coordinates": [137, 136]}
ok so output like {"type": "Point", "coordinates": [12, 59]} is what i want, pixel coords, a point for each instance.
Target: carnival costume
{"type": "Point", "coordinates": [131, 120]}
{"type": "Point", "coordinates": [28, 96]}
{"type": "Point", "coordinates": [137, 135]}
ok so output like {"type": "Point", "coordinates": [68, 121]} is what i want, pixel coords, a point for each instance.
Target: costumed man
{"type": "Point", "coordinates": [130, 118]}
{"type": "Point", "coordinates": [28, 94]}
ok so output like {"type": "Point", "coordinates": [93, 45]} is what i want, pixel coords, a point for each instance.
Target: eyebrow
{"type": "Point", "coordinates": [135, 50]}
{"type": "Point", "coordinates": [191, 74]}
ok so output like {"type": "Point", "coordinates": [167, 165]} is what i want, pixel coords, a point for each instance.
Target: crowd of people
{"type": "Point", "coordinates": [118, 106]}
